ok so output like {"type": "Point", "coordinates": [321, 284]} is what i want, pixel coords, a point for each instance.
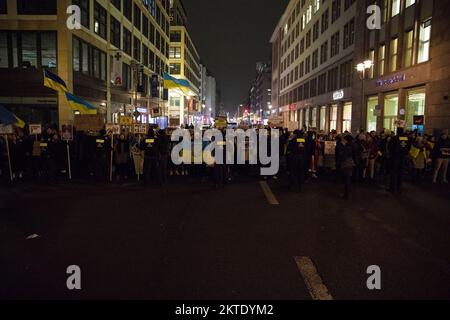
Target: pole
{"type": "Point", "coordinates": [139, 167]}
{"type": "Point", "coordinates": [68, 161]}
{"type": "Point", "coordinates": [111, 159]}
{"type": "Point", "coordinates": [9, 159]}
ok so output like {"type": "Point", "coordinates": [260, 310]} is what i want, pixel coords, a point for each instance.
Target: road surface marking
{"type": "Point", "coordinates": [269, 194]}
{"type": "Point", "coordinates": [313, 281]}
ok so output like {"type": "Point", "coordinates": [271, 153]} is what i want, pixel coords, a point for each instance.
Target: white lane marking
{"type": "Point", "coordinates": [313, 281]}
{"type": "Point", "coordinates": [269, 194]}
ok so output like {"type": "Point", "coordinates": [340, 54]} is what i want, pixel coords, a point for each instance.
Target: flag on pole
{"type": "Point", "coordinates": [7, 118]}
{"type": "Point", "coordinates": [174, 83]}
{"type": "Point", "coordinates": [54, 82]}
{"type": "Point", "coordinates": [78, 104]}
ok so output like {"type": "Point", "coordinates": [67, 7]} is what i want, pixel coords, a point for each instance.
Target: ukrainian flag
{"type": "Point", "coordinates": [78, 104]}
{"type": "Point", "coordinates": [7, 118]}
{"type": "Point", "coordinates": [174, 83]}
{"type": "Point", "coordinates": [54, 82]}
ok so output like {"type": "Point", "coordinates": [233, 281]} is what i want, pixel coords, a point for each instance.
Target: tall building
{"type": "Point", "coordinates": [184, 106]}
{"type": "Point", "coordinates": [208, 93]}
{"type": "Point", "coordinates": [319, 78]}
{"type": "Point", "coordinates": [109, 61]}
{"type": "Point", "coordinates": [263, 90]}
{"type": "Point", "coordinates": [410, 77]}
{"type": "Point", "coordinates": [313, 52]}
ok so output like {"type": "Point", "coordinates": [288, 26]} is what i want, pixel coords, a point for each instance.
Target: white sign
{"type": "Point", "coordinates": [112, 129]}
{"type": "Point", "coordinates": [6, 129]}
{"type": "Point", "coordinates": [338, 95]}
{"type": "Point", "coordinates": [116, 72]}
{"type": "Point", "coordinates": [35, 129]}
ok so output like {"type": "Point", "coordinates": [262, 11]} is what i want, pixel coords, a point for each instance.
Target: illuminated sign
{"type": "Point", "coordinates": [338, 95]}
{"type": "Point", "coordinates": [394, 79]}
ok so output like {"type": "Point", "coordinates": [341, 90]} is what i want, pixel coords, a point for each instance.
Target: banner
{"type": "Point", "coordinates": [6, 129]}
{"type": "Point", "coordinates": [89, 122]}
{"type": "Point", "coordinates": [112, 129]}
{"type": "Point", "coordinates": [140, 129]}
{"type": "Point", "coordinates": [330, 148]}
{"type": "Point", "coordinates": [116, 72]}
{"type": "Point", "coordinates": [35, 129]}
{"type": "Point", "coordinates": [154, 86]}
{"type": "Point", "coordinates": [67, 132]}
{"type": "Point", "coordinates": [126, 121]}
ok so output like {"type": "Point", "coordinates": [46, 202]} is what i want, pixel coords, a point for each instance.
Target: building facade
{"type": "Point", "coordinates": [184, 63]}
{"type": "Point", "coordinates": [409, 82]}
{"type": "Point", "coordinates": [110, 61]}
{"type": "Point", "coordinates": [313, 62]}
{"type": "Point", "coordinates": [318, 44]}
{"type": "Point", "coordinates": [263, 90]}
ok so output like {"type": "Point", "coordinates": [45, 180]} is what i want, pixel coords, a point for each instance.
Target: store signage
{"type": "Point", "coordinates": [419, 120]}
{"type": "Point", "coordinates": [338, 95]}
{"type": "Point", "coordinates": [394, 79]}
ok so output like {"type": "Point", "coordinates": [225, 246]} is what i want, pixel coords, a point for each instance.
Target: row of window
{"type": "Point", "coordinates": [387, 56]}
{"type": "Point", "coordinates": [130, 10]}
{"type": "Point", "coordinates": [312, 8]}
{"type": "Point", "coordinates": [27, 49]}
{"type": "Point", "coordinates": [328, 81]}
{"type": "Point", "coordinates": [88, 60]}
{"type": "Point", "coordinates": [312, 62]}
{"type": "Point", "coordinates": [26, 7]}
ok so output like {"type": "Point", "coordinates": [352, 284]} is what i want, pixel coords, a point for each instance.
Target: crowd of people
{"type": "Point", "coordinates": [372, 157]}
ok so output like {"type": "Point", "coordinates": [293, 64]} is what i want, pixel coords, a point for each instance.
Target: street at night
{"type": "Point", "coordinates": [190, 241]}
{"type": "Point", "coordinates": [229, 159]}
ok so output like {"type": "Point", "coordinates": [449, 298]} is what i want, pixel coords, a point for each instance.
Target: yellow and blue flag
{"type": "Point", "coordinates": [54, 82]}
{"type": "Point", "coordinates": [78, 104]}
{"type": "Point", "coordinates": [174, 83]}
{"type": "Point", "coordinates": [8, 118]}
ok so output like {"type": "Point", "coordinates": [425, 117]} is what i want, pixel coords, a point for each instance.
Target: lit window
{"type": "Point", "coordinates": [408, 48]}
{"type": "Point", "coordinates": [381, 59]}
{"type": "Point", "coordinates": [394, 55]}
{"type": "Point", "coordinates": [372, 104]}
{"type": "Point", "coordinates": [395, 7]}
{"type": "Point", "coordinates": [424, 42]}
{"type": "Point", "coordinates": [347, 118]}
{"type": "Point", "coordinates": [410, 3]}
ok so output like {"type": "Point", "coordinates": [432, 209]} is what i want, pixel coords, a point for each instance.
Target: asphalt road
{"type": "Point", "coordinates": [190, 241]}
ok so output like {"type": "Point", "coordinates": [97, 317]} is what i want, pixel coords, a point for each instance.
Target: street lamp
{"type": "Point", "coordinates": [362, 68]}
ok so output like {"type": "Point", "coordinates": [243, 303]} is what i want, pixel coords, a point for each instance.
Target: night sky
{"type": "Point", "coordinates": [231, 36]}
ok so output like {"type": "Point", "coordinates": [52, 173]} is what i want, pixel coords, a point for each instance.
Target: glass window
{"type": "Point", "coordinates": [390, 111]}
{"type": "Point", "coordinates": [76, 54]}
{"type": "Point", "coordinates": [394, 54]}
{"type": "Point", "coordinates": [415, 106]}
{"type": "Point", "coordinates": [3, 7]}
{"type": "Point", "coordinates": [323, 114]}
{"type": "Point", "coordinates": [48, 49]}
{"type": "Point", "coordinates": [314, 118]}
{"type": "Point", "coordinates": [410, 3]}
{"type": "Point", "coordinates": [408, 48]}
{"type": "Point", "coordinates": [424, 41]}
{"type": "Point", "coordinates": [347, 118]}
{"type": "Point", "coordinates": [307, 118]}
{"type": "Point", "coordinates": [47, 7]}
{"type": "Point", "coordinates": [381, 60]}
{"type": "Point", "coordinates": [85, 11]}
{"type": "Point", "coordinates": [175, 68]}
{"type": "Point", "coordinates": [333, 117]}
{"type": "Point", "coordinates": [395, 7]}
{"type": "Point", "coordinates": [115, 32]}
{"type": "Point", "coordinates": [371, 58]}
{"type": "Point", "coordinates": [84, 58]}
{"type": "Point", "coordinates": [3, 50]}
{"type": "Point", "coordinates": [175, 53]}
{"type": "Point", "coordinates": [372, 104]}
{"type": "Point", "coordinates": [99, 20]}
{"type": "Point", "coordinates": [29, 49]}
